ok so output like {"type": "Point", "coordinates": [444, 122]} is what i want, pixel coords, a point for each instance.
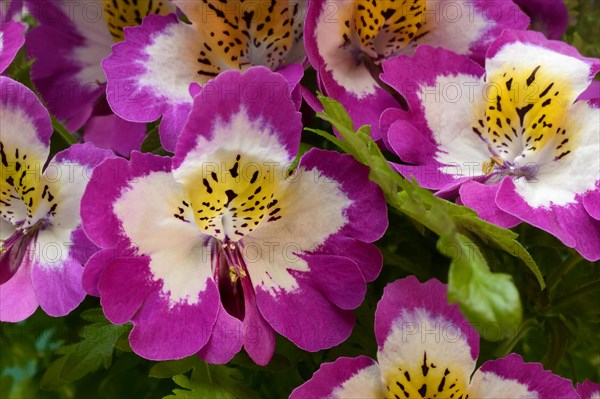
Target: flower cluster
{"type": "Point", "coordinates": [154, 158]}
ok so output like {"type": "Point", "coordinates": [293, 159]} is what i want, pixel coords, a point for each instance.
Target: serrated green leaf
{"type": "Point", "coordinates": [171, 368]}
{"type": "Point", "coordinates": [94, 350]}
{"type": "Point", "coordinates": [211, 381]}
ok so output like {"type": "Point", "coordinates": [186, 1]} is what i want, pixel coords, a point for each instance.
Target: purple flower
{"type": "Point", "coordinates": [144, 83]}
{"type": "Point", "coordinates": [223, 245]}
{"type": "Point", "coordinates": [346, 42]}
{"type": "Point", "coordinates": [69, 44]}
{"type": "Point", "coordinates": [510, 139]}
{"type": "Point", "coordinates": [588, 390]}
{"type": "Point", "coordinates": [11, 40]}
{"type": "Point", "coordinates": [43, 247]}
{"type": "Point", "coordinates": [550, 17]}
{"type": "Point", "coordinates": [426, 348]}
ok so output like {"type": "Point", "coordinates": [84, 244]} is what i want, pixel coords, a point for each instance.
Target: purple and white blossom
{"type": "Point", "coordinates": [511, 140]}
{"type": "Point", "coordinates": [224, 245]}
{"type": "Point", "coordinates": [427, 348]}
{"type": "Point", "coordinates": [43, 247]}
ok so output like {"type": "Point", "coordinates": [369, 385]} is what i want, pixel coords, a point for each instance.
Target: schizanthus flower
{"type": "Point", "coordinates": [224, 244]}
{"type": "Point", "coordinates": [510, 139]}
{"type": "Point", "coordinates": [43, 247]}
{"type": "Point", "coordinates": [427, 349]}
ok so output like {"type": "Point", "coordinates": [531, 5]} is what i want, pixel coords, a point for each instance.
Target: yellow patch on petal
{"type": "Point", "coordinates": [382, 28]}
{"type": "Point", "coordinates": [121, 13]}
{"type": "Point", "coordinates": [232, 199]}
{"type": "Point", "coordinates": [23, 191]}
{"type": "Point", "coordinates": [239, 35]}
{"type": "Point", "coordinates": [427, 380]}
{"type": "Point", "coordinates": [525, 113]}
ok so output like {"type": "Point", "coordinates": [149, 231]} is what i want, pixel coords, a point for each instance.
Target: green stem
{"type": "Point", "coordinates": [62, 132]}
{"type": "Point", "coordinates": [557, 275]}
{"type": "Point", "coordinates": [507, 348]}
{"type": "Point", "coordinates": [575, 295]}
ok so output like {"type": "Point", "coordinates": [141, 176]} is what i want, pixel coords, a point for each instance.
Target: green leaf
{"type": "Point", "coordinates": [95, 349]}
{"type": "Point", "coordinates": [207, 381]}
{"type": "Point", "coordinates": [490, 299]}
{"type": "Point", "coordinates": [171, 368]}
{"type": "Point", "coordinates": [63, 132]}
{"type": "Point", "coordinates": [151, 142]}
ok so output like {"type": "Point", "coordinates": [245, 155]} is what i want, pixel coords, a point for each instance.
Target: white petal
{"type": "Point", "coordinates": [340, 61]}
{"type": "Point", "coordinates": [452, 107]}
{"type": "Point", "coordinates": [453, 25]}
{"type": "Point", "coordinates": [364, 384]}
{"type": "Point", "coordinates": [491, 385]}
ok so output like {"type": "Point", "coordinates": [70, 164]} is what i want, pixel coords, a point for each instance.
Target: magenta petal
{"type": "Point", "coordinates": [306, 317]}
{"type": "Point", "coordinates": [94, 268]}
{"type": "Point", "coordinates": [411, 145]}
{"type": "Point", "coordinates": [548, 16]}
{"type": "Point", "coordinates": [338, 278]}
{"type": "Point", "coordinates": [482, 199]}
{"type": "Point", "coordinates": [591, 93]}
{"type": "Point", "coordinates": [163, 331]}
{"type": "Point", "coordinates": [546, 384]}
{"type": "Point", "coordinates": [123, 287]}
{"type": "Point", "coordinates": [225, 341]}
{"type": "Point", "coordinates": [18, 299]}
{"type": "Point", "coordinates": [331, 376]}
{"type": "Point", "coordinates": [264, 96]}
{"type": "Point", "coordinates": [58, 287]}
{"type": "Point", "coordinates": [259, 337]}
{"type": "Point", "coordinates": [367, 257]}
{"type": "Point", "coordinates": [591, 202]}
{"type": "Point", "coordinates": [588, 389]}
{"type": "Point", "coordinates": [11, 40]}
{"type": "Point", "coordinates": [114, 133]}
{"type": "Point", "coordinates": [408, 294]}
{"type": "Point", "coordinates": [82, 248]}
{"type": "Point", "coordinates": [571, 223]}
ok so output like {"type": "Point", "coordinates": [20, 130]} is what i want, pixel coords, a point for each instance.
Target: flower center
{"type": "Point", "coordinates": [522, 122]}
{"type": "Point", "coordinates": [381, 29]}
{"type": "Point", "coordinates": [14, 249]}
{"type": "Point", "coordinates": [231, 276]}
{"type": "Point", "coordinates": [427, 380]}
{"type": "Point", "coordinates": [230, 199]}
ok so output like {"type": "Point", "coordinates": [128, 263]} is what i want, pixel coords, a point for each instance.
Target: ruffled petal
{"type": "Point", "coordinates": [11, 40]}
{"type": "Point", "coordinates": [512, 378]}
{"type": "Point", "coordinates": [344, 379]}
{"type": "Point", "coordinates": [588, 390]}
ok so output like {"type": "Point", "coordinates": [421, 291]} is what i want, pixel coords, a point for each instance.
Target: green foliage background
{"type": "Point", "coordinates": [496, 276]}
